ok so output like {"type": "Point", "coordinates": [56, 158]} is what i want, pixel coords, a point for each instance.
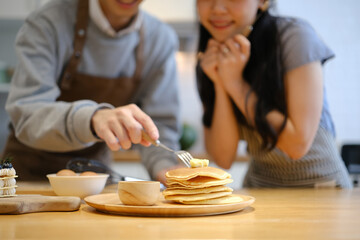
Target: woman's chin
{"type": "Point", "coordinates": [221, 39]}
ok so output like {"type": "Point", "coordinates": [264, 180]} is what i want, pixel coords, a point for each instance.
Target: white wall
{"type": "Point", "coordinates": [171, 10]}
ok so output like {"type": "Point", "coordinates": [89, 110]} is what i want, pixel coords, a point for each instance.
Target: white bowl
{"type": "Point", "coordinates": [80, 186]}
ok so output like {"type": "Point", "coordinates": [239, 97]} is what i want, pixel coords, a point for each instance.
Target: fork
{"type": "Point", "coordinates": [184, 156]}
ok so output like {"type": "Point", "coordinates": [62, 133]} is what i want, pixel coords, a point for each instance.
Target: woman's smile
{"type": "Point", "coordinates": [221, 24]}
{"type": "Point", "coordinates": [127, 3]}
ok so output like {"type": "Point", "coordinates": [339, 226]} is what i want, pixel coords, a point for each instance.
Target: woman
{"type": "Point", "coordinates": [260, 79]}
{"type": "Point", "coordinates": [91, 75]}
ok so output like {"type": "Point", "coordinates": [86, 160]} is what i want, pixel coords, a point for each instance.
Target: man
{"type": "Point", "coordinates": [91, 75]}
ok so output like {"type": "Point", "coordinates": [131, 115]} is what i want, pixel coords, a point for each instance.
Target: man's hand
{"type": "Point", "coordinates": [122, 126]}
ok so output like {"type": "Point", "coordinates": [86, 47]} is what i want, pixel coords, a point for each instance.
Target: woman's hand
{"type": "Point", "coordinates": [209, 61]}
{"type": "Point", "coordinates": [122, 126]}
{"type": "Point", "coordinates": [232, 59]}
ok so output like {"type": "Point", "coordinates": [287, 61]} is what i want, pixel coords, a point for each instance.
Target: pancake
{"type": "Point", "coordinates": [189, 173]}
{"type": "Point", "coordinates": [182, 191]}
{"type": "Point", "coordinates": [196, 197]}
{"type": "Point", "coordinates": [199, 182]}
{"type": "Point", "coordinates": [216, 201]}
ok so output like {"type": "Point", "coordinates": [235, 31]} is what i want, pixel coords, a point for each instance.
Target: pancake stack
{"type": "Point", "coordinates": [200, 185]}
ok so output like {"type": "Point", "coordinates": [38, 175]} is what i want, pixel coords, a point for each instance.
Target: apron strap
{"type": "Point", "coordinates": [82, 19]}
{"type": "Point", "coordinates": [139, 56]}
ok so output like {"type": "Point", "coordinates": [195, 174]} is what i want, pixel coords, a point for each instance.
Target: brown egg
{"type": "Point", "coordinates": [66, 172]}
{"type": "Point", "coordinates": [88, 173]}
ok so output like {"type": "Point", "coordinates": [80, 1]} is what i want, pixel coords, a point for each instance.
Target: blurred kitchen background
{"type": "Point", "coordinates": [337, 22]}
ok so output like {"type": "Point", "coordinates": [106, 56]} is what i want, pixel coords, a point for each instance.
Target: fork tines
{"type": "Point", "coordinates": [185, 157]}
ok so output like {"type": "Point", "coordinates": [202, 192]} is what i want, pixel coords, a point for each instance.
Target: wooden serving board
{"type": "Point", "coordinates": [37, 203]}
{"type": "Point", "coordinates": [110, 203]}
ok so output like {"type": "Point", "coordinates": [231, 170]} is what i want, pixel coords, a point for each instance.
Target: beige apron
{"type": "Point", "coordinates": [33, 164]}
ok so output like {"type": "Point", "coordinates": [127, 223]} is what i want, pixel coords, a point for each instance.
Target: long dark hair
{"type": "Point", "coordinates": [264, 74]}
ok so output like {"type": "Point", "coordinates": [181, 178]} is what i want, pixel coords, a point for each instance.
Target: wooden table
{"type": "Point", "coordinates": [276, 214]}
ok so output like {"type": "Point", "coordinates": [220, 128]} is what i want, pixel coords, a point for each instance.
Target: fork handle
{"type": "Point", "coordinates": [149, 139]}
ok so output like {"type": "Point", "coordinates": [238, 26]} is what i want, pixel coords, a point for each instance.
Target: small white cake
{"type": "Point", "coordinates": [7, 178]}
{"type": "Point", "coordinates": [7, 172]}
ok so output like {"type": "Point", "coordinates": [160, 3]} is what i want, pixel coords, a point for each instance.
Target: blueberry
{"type": "Point", "coordinates": [7, 165]}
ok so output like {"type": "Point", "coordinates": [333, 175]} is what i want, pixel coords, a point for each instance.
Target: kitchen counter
{"type": "Point", "coordinates": [276, 214]}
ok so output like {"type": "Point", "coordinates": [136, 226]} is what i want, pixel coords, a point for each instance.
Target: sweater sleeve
{"type": "Point", "coordinates": [301, 44]}
{"type": "Point", "coordinates": [38, 119]}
